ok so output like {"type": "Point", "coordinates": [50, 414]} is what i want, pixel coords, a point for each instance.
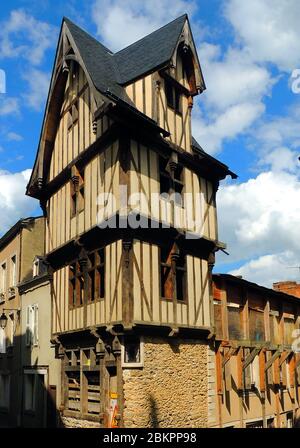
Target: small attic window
{"type": "Point", "coordinates": [173, 96]}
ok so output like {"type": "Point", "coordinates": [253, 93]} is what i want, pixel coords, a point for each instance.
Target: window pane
{"type": "Point", "coordinates": [235, 323]}
{"type": "Point", "coordinates": [132, 352]}
{"type": "Point", "coordinates": [29, 392]}
{"type": "Point", "coordinates": [169, 93]}
{"type": "Point", "coordinates": [274, 330]}
{"type": "Point", "coordinates": [218, 319]}
{"type": "Point", "coordinates": [257, 325]}
{"type": "Point", "coordinates": [289, 327]}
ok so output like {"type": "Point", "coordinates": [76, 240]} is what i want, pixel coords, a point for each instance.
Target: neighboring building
{"type": "Point", "coordinates": [254, 361]}
{"type": "Point", "coordinates": [288, 287]}
{"type": "Point", "coordinates": [41, 370]}
{"type": "Point", "coordinates": [18, 248]}
{"type": "Point", "coordinates": [131, 305]}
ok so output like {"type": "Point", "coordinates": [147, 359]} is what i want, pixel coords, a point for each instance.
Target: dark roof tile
{"type": "Point", "coordinates": [110, 71]}
{"type": "Point", "coordinates": [150, 52]}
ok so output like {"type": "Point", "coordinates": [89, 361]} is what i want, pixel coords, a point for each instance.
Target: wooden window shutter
{"type": "Point", "coordinates": [2, 341]}
{"type": "Point", "coordinates": [28, 326]}
{"type": "Point", "coordinates": [35, 324]}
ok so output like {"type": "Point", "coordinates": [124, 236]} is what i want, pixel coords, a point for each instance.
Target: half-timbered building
{"type": "Point", "coordinates": [129, 198]}
{"type": "Point", "coordinates": [255, 361]}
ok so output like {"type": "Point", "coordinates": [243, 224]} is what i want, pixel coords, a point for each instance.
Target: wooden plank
{"type": "Point", "coordinates": [262, 375]}
{"type": "Point", "coordinates": [155, 283]}
{"type": "Point", "coordinates": [227, 375]}
{"type": "Point", "coordinates": [284, 357]}
{"type": "Point", "coordinates": [250, 357]}
{"type": "Point", "coordinates": [271, 361]}
{"type": "Point", "coordinates": [239, 365]}
{"type": "Point", "coordinates": [219, 370]}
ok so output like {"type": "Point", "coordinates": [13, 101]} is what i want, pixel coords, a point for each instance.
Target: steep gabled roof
{"type": "Point", "coordinates": [109, 71]}
{"type": "Point", "coordinates": [150, 52]}
{"type": "Point", "coordinates": [97, 60]}
{"type": "Point", "coordinates": [107, 74]}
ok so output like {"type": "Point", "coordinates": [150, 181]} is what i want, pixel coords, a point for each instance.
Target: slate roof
{"type": "Point", "coordinates": [197, 146]}
{"type": "Point", "coordinates": [98, 61]}
{"type": "Point", "coordinates": [200, 150]}
{"type": "Point", "coordinates": [150, 52]}
{"type": "Point", "coordinates": [110, 71]}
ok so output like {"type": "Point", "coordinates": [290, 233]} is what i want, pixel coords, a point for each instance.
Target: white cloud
{"type": "Point", "coordinates": [268, 29]}
{"type": "Point", "coordinates": [234, 99]}
{"type": "Point", "coordinates": [281, 159]}
{"type": "Point", "coordinates": [121, 23]}
{"type": "Point", "coordinates": [212, 130]}
{"type": "Point", "coordinates": [9, 106]}
{"type": "Point", "coordinates": [232, 79]}
{"type": "Point", "coordinates": [13, 136]}
{"type": "Point", "coordinates": [261, 218]}
{"type": "Point", "coordinates": [13, 202]}
{"type": "Point", "coordinates": [38, 88]}
{"type": "Point", "coordinates": [24, 36]}
{"type": "Point", "coordinates": [268, 269]}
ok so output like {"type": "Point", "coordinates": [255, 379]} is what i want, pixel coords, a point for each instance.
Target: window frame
{"type": "Point", "coordinates": [98, 270]}
{"type": "Point", "coordinates": [173, 266]}
{"type": "Point", "coordinates": [32, 327]}
{"type": "Point", "coordinates": [77, 199]}
{"type": "Point", "coordinates": [175, 183]}
{"type": "Point", "coordinates": [76, 285]}
{"type": "Point", "coordinates": [3, 279]}
{"type": "Point", "coordinates": [13, 271]}
{"type": "Point", "coordinates": [133, 365]}
{"type": "Point", "coordinates": [173, 95]}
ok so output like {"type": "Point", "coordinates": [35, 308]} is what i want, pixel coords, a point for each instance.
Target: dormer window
{"type": "Point", "coordinates": [173, 96]}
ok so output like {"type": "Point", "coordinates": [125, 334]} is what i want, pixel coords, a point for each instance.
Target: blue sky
{"type": "Point", "coordinates": [248, 117]}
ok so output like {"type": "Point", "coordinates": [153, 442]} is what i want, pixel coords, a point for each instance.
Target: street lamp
{"type": "Point", "coordinates": [3, 321]}
{"type": "Point", "coordinates": [3, 317]}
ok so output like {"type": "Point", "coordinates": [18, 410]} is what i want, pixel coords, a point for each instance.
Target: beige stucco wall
{"type": "Point", "coordinates": [32, 244]}
{"type": "Point", "coordinates": [171, 389]}
{"type": "Point", "coordinates": [42, 354]}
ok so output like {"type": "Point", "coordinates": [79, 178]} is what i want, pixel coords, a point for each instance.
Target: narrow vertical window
{"type": "Point", "coordinates": [2, 341]}
{"type": "Point", "coordinates": [77, 191]}
{"type": "Point", "coordinates": [173, 96]}
{"type": "Point", "coordinates": [4, 391]}
{"type": "Point", "coordinates": [96, 275]}
{"type": "Point", "coordinates": [30, 385]}
{"type": "Point", "coordinates": [32, 319]}
{"type": "Point", "coordinates": [166, 281]}
{"type": "Point", "coordinates": [180, 268]}
{"type": "Point", "coordinates": [13, 271]}
{"type": "Point", "coordinates": [172, 273]}
{"type": "Point", "coordinates": [11, 330]}
{"type": "Point", "coordinates": [3, 279]}
{"type": "Point", "coordinates": [76, 285]}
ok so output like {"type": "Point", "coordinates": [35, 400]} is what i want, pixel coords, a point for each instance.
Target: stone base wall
{"type": "Point", "coordinates": [171, 390]}
{"type": "Point", "coordinates": [69, 422]}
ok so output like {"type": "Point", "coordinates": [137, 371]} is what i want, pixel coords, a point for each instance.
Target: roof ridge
{"type": "Point", "coordinates": [147, 35]}
{"type": "Point", "coordinates": [66, 19]}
